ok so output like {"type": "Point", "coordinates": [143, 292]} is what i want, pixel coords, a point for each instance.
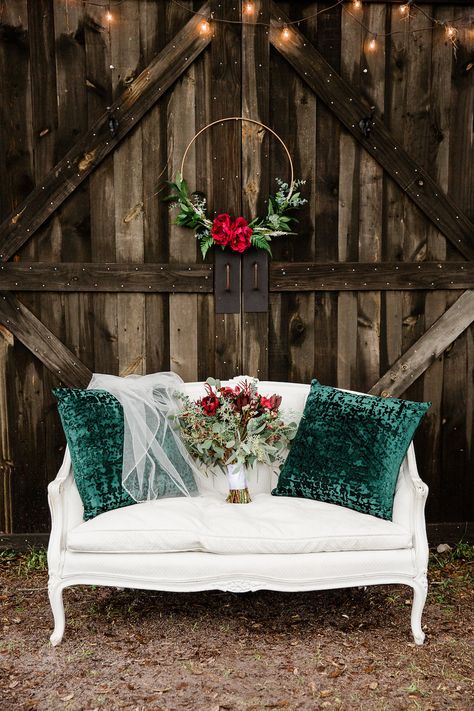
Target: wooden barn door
{"type": "Point", "coordinates": [95, 277]}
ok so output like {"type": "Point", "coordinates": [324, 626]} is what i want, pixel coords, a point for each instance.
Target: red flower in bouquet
{"type": "Point", "coordinates": [210, 402]}
{"type": "Point", "coordinates": [270, 403]}
{"type": "Point", "coordinates": [235, 235]}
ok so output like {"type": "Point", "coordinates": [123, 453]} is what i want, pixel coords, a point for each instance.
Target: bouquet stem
{"type": "Point", "coordinates": [238, 489]}
{"type": "Point", "coordinates": [239, 496]}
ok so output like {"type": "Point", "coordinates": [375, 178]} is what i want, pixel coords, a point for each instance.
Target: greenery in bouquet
{"type": "Point", "coordinates": [234, 426]}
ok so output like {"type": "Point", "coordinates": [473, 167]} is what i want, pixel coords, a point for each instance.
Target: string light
{"type": "Point", "coordinates": [108, 16]}
{"type": "Point", "coordinates": [248, 8]}
{"type": "Point", "coordinates": [357, 4]}
{"type": "Point", "coordinates": [451, 32]}
{"type": "Point", "coordinates": [404, 9]}
{"type": "Point", "coordinates": [285, 33]}
{"type": "Point", "coordinates": [204, 27]}
{"type": "Point", "coordinates": [373, 43]}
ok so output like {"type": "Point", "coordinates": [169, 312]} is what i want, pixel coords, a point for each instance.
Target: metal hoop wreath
{"type": "Point", "coordinates": [258, 123]}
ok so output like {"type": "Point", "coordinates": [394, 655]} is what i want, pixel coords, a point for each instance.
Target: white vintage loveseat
{"type": "Point", "coordinates": [203, 543]}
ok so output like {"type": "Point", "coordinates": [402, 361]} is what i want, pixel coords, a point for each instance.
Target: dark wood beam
{"type": "Point", "coordinates": [106, 133]}
{"type": "Point", "coordinates": [42, 342]}
{"type": "Point", "coordinates": [430, 346]}
{"type": "Point", "coordinates": [380, 276]}
{"type": "Point", "coordinates": [350, 109]}
{"type": "Point", "coordinates": [76, 276]}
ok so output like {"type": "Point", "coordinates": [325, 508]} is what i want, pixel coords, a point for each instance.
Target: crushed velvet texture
{"type": "Point", "coordinates": [349, 448]}
{"type": "Point", "coordinates": [93, 424]}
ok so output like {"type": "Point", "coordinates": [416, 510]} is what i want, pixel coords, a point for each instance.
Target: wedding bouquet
{"type": "Point", "coordinates": [233, 428]}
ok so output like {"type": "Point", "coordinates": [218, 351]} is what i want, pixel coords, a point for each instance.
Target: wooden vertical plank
{"type": "Point", "coordinates": [436, 301]}
{"type": "Point", "coordinates": [128, 188]}
{"type": "Point", "coordinates": [155, 211]}
{"type": "Point", "coordinates": [371, 197]}
{"type": "Point", "coordinates": [348, 223]}
{"type": "Point", "coordinates": [416, 142]}
{"type": "Point", "coordinates": [294, 339]}
{"type": "Point", "coordinates": [328, 42]}
{"type": "Point", "coordinates": [101, 188]}
{"type": "Point", "coordinates": [17, 364]}
{"type": "Point", "coordinates": [6, 463]}
{"type": "Point", "coordinates": [226, 149]}
{"type": "Point", "coordinates": [456, 459]}
{"type": "Point", "coordinates": [255, 164]}
{"type": "Point", "coordinates": [30, 501]}
{"type": "Point", "coordinates": [182, 244]}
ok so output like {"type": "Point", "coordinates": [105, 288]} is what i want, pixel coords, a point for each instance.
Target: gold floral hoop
{"type": "Point", "coordinates": [249, 120]}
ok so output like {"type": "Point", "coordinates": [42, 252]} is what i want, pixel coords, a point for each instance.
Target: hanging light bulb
{"type": "Point", "coordinates": [249, 8]}
{"type": "Point", "coordinates": [108, 16]}
{"type": "Point", "coordinates": [357, 4]}
{"type": "Point", "coordinates": [404, 9]}
{"type": "Point", "coordinates": [285, 33]}
{"type": "Point", "coordinates": [451, 32]}
{"type": "Point", "coordinates": [204, 27]}
{"type": "Point", "coordinates": [373, 43]}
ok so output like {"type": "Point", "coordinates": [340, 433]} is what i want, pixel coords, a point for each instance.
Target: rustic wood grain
{"type": "Point", "coordinates": [348, 223]}
{"type": "Point", "coordinates": [101, 189]}
{"type": "Point", "coordinates": [226, 194]}
{"type": "Point", "coordinates": [153, 38]}
{"type": "Point", "coordinates": [255, 162]}
{"type": "Point", "coordinates": [437, 300]}
{"type": "Point", "coordinates": [99, 141]}
{"type": "Point", "coordinates": [429, 347]}
{"type": "Point", "coordinates": [347, 104]}
{"type": "Point", "coordinates": [128, 190]}
{"type": "Point", "coordinates": [42, 343]}
{"type": "Point", "coordinates": [371, 209]}
{"type": "Point", "coordinates": [6, 461]}
{"type": "Point", "coordinates": [370, 276]}
{"type": "Point", "coordinates": [183, 314]}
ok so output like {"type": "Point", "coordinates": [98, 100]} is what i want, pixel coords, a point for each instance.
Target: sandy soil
{"type": "Point", "coordinates": [346, 649]}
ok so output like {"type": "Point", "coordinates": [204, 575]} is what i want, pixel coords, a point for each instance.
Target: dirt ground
{"type": "Point", "coordinates": [214, 651]}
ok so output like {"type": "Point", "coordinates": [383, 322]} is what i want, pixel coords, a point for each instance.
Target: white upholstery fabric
{"type": "Point", "coordinates": [270, 525]}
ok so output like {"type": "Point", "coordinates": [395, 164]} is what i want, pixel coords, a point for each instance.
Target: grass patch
{"type": "Point", "coordinates": [33, 561]}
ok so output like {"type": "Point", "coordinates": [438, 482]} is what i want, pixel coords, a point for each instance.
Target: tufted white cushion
{"type": "Point", "coordinates": [207, 523]}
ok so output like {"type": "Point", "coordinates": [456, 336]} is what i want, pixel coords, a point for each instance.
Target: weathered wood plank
{"type": "Point", "coordinates": [99, 277]}
{"type": "Point", "coordinates": [42, 342]}
{"type": "Point", "coordinates": [103, 136]}
{"type": "Point", "coordinates": [429, 347]}
{"type": "Point", "coordinates": [255, 176]}
{"type": "Point", "coordinates": [101, 189]}
{"type": "Point", "coordinates": [153, 38]}
{"type": "Point", "coordinates": [348, 222]}
{"type": "Point", "coordinates": [181, 122]}
{"type": "Point", "coordinates": [6, 462]}
{"type": "Point", "coordinates": [370, 276]}
{"type": "Point", "coordinates": [128, 190]}
{"type": "Point", "coordinates": [437, 300]}
{"type": "Point", "coordinates": [371, 209]}
{"type": "Point", "coordinates": [226, 139]}
{"type": "Point", "coordinates": [348, 106]}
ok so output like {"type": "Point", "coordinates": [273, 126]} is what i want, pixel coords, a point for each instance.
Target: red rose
{"type": "Point", "coordinates": [222, 229]}
{"type": "Point", "coordinates": [241, 235]}
{"type": "Point", "coordinates": [209, 404]}
{"type": "Point", "coordinates": [235, 234]}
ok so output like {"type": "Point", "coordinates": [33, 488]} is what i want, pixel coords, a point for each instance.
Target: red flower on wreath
{"type": "Point", "coordinates": [234, 234]}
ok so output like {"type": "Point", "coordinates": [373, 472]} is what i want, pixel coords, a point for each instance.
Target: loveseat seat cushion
{"type": "Point", "coordinates": [207, 523]}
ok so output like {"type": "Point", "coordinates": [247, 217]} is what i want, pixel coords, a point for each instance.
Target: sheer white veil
{"type": "Point", "coordinates": [155, 460]}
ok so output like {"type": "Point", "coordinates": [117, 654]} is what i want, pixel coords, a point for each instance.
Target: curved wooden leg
{"type": "Point", "coordinates": [55, 592]}
{"type": "Point", "coordinates": [420, 590]}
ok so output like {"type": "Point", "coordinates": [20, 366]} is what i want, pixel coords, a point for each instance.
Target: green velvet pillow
{"type": "Point", "coordinates": [348, 449]}
{"type": "Point", "coordinates": [93, 424]}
